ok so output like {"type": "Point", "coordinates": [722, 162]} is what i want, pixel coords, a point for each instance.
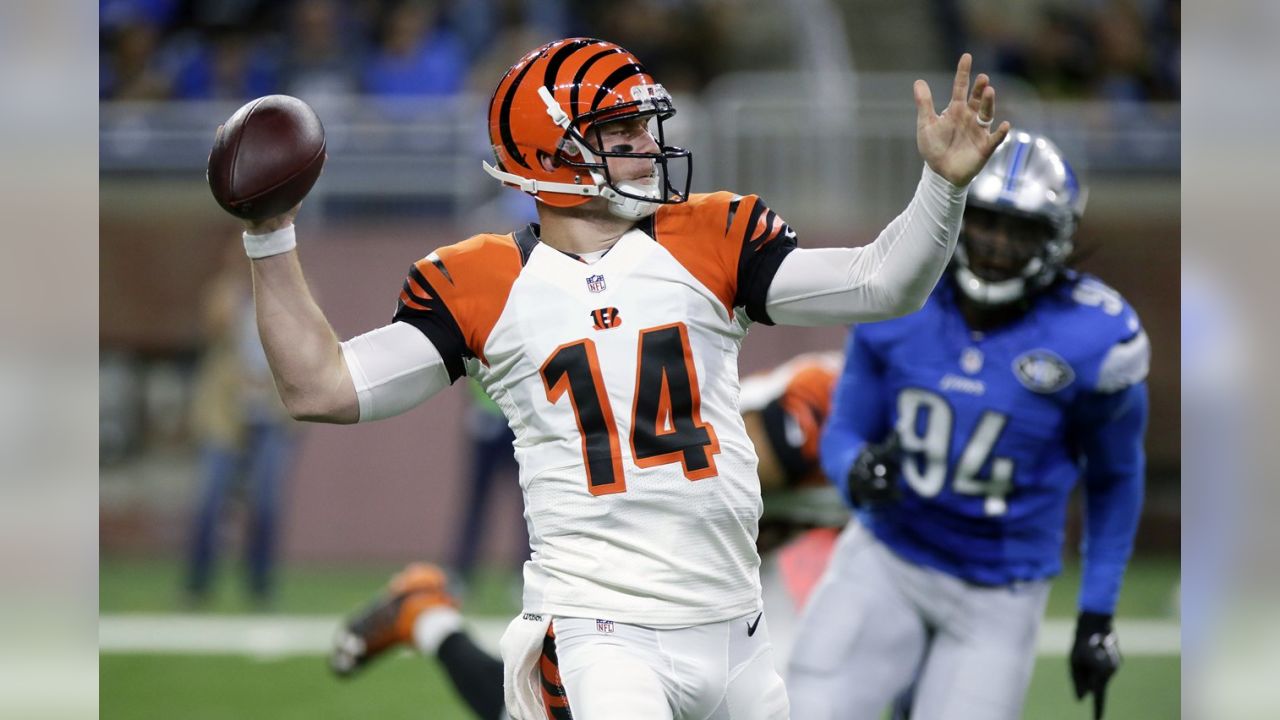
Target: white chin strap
{"type": "Point", "coordinates": [533, 187]}
{"type": "Point", "coordinates": [629, 208]}
{"type": "Point", "coordinates": [619, 205]}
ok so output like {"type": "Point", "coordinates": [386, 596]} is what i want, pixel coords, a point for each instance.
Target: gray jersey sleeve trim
{"type": "Point", "coordinates": [1125, 364]}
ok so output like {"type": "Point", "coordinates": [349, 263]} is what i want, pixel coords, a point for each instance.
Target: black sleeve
{"type": "Point", "coordinates": [476, 675]}
{"type": "Point", "coordinates": [420, 306]}
{"type": "Point", "coordinates": [767, 240]}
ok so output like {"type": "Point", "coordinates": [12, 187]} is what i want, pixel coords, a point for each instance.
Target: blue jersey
{"type": "Point", "coordinates": [996, 429]}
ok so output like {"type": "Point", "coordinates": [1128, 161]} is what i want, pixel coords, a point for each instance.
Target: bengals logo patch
{"type": "Point", "coordinates": [606, 318]}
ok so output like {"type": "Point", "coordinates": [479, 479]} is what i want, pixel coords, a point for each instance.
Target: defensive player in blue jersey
{"type": "Point", "coordinates": [957, 434]}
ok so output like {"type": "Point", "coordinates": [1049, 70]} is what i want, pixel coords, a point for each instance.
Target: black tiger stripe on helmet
{"type": "Point", "coordinates": [550, 77]}
{"type": "Point", "coordinates": [617, 76]}
{"type": "Point", "coordinates": [584, 68]}
{"type": "Point", "coordinates": [504, 116]}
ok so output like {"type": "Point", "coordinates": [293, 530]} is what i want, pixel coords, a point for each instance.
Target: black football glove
{"type": "Point", "coordinates": [1095, 657]}
{"type": "Point", "coordinates": [873, 478]}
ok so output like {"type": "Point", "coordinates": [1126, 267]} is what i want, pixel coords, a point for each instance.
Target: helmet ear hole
{"type": "Point", "coordinates": [548, 161]}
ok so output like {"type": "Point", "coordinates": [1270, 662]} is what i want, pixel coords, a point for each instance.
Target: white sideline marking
{"type": "Point", "coordinates": [255, 635]}
{"type": "Point", "coordinates": [270, 636]}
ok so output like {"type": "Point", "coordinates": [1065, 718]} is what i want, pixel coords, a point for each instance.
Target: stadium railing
{"type": "Point", "coordinates": [835, 151]}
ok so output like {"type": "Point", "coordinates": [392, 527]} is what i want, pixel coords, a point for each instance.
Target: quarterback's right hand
{"type": "Point", "coordinates": [272, 224]}
{"type": "Point", "coordinates": [873, 478]}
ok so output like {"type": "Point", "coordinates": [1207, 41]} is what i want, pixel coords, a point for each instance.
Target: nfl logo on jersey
{"type": "Point", "coordinates": [595, 283]}
{"type": "Point", "coordinates": [604, 626]}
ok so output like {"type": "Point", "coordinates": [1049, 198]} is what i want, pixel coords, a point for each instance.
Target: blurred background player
{"type": "Point", "coordinates": [783, 410]}
{"type": "Point", "coordinates": [245, 435]}
{"type": "Point", "coordinates": [957, 434]}
{"type": "Point", "coordinates": [417, 610]}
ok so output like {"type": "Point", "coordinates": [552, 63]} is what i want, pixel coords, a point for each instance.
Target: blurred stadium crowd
{"type": "Point", "coordinates": [208, 49]}
{"type": "Point", "coordinates": [1121, 50]}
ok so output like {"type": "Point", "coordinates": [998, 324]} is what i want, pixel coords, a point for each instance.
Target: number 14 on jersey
{"type": "Point", "coordinates": [666, 422]}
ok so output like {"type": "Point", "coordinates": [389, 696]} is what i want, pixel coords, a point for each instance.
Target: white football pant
{"type": "Point", "coordinates": [717, 671]}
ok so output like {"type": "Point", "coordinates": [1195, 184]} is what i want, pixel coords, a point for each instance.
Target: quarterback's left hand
{"type": "Point", "coordinates": [957, 143]}
{"type": "Point", "coordinates": [1094, 658]}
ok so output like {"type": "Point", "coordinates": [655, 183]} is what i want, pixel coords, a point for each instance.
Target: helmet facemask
{"type": "Point", "coordinates": [1003, 257]}
{"type": "Point", "coordinates": [583, 148]}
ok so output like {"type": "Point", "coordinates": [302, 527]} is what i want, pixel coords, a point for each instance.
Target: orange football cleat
{"type": "Point", "coordinates": [388, 621]}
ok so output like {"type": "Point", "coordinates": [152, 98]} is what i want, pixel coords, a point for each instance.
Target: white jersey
{"type": "Point", "coordinates": [620, 380]}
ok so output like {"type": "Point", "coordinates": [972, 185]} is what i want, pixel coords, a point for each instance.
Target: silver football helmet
{"type": "Point", "coordinates": [1020, 221]}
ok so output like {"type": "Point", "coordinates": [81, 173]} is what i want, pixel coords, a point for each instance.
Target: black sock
{"type": "Point", "coordinates": [476, 675]}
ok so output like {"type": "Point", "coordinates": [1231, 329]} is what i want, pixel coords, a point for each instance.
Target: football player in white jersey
{"type": "Point", "coordinates": [609, 335]}
{"type": "Point", "coordinates": [783, 411]}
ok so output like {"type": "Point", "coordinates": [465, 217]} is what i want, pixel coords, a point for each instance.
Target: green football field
{"type": "Point", "coordinates": [132, 585]}
{"type": "Point", "coordinates": [162, 687]}
{"type": "Point", "coordinates": [183, 684]}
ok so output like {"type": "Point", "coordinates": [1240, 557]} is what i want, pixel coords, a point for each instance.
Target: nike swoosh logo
{"type": "Point", "coordinates": [751, 627]}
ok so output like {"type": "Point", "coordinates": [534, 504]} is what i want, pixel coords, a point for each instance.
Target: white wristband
{"type": "Point", "coordinates": [273, 243]}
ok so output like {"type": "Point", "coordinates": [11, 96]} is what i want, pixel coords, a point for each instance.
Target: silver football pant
{"type": "Point", "coordinates": [877, 626]}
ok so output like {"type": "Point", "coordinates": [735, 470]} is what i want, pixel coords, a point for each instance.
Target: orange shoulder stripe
{"type": "Point", "coordinates": [474, 279]}
{"type": "Point", "coordinates": [695, 233]}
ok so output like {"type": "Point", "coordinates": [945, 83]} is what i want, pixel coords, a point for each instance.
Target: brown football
{"type": "Point", "coordinates": [266, 157]}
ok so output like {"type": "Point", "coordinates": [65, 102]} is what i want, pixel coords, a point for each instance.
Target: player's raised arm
{"type": "Point", "coordinates": [894, 275]}
{"type": "Point", "coordinates": [375, 375]}
{"type": "Point", "coordinates": [301, 347]}
{"type": "Point", "coordinates": [264, 161]}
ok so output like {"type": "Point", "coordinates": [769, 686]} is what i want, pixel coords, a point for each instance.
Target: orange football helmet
{"type": "Point", "coordinates": [551, 103]}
